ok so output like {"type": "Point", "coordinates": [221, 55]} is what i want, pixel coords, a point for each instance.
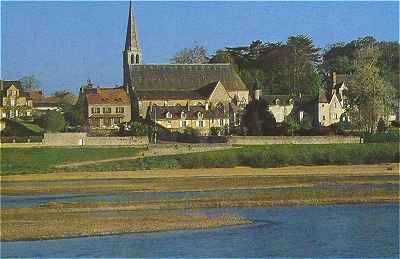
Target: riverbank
{"type": "Point", "coordinates": [171, 194]}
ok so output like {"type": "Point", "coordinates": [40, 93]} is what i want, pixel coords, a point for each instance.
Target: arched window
{"type": "Point", "coordinates": [168, 115]}
{"type": "Point", "coordinates": [183, 115]}
{"type": "Point", "coordinates": [278, 102]}
{"type": "Point", "coordinates": [199, 115]}
{"type": "Point", "coordinates": [291, 101]}
{"type": "Point", "coordinates": [133, 59]}
{"type": "Point", "coordinates": [137, 59]}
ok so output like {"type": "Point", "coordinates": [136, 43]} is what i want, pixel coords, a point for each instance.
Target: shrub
{"type": "Point", "coordinates": [52, 121]}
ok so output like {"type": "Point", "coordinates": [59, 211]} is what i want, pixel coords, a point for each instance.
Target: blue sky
{"type": "Point", "coordinates": [65, 43]}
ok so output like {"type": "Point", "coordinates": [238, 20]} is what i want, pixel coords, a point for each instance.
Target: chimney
{"type": "Point", "coordinates": [334, 78]}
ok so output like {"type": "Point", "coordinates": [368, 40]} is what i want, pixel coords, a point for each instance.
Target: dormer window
{"type": "Point", "coordinates": [168, 115]}
{"type": "Point", "coordinates": [183, 115]}
{"type": "Point", "coordinates": [278, 102]}
{"type": "Point", "coordinates": [200, 115]}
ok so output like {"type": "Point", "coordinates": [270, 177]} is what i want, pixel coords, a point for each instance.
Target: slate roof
{"type": "Point", "coordinates": [191, 114]}
{"type": "Point", "coordinates": [271, 99]}
{"type": "Point", "coordinates": [198, 94]}
{"type": "Point", "coordinates": [183, 77]}
{"type": "Point", "coordinates": [113, 96]}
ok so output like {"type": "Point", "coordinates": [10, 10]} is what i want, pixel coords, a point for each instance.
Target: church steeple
{"type": "Point", "coordinates": [132, 41]}
{"type": "Point", "coordinates": [131, 53]}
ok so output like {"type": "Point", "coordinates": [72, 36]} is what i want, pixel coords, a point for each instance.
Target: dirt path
{"type": "Point", "coordinates": [152, 152]}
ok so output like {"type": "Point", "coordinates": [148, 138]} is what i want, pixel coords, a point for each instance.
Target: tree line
{"type": "Point", "coordinates": [297, 66]}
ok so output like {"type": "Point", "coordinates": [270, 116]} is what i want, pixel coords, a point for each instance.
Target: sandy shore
{"type": "Point", "coordinates": [289, 186]}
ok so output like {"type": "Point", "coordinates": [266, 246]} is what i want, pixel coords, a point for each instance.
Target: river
{"type": "Point", "coordinates": [367, 230]}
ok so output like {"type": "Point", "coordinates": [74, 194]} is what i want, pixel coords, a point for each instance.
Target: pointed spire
{"type": "Point", "coordinates": [132, 41]}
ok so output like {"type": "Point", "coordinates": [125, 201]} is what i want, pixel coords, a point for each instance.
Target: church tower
{"type": "Point", "coordinates": [131, 53]}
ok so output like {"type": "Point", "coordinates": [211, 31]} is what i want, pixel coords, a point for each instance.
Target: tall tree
{"type": "Point", "coordinates": [195, 55]}
{"type": "Point", "coordinates": [29, 83]}
{"type": "Point", "coordinates": [368, 93]}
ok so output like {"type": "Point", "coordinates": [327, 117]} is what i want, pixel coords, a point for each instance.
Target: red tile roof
{"type": "Point", "coordinates": [117, 96]}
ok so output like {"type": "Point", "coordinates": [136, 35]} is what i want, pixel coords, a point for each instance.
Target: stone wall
{"type": "Point", "coordinates": [270, 140]}
{"type": "Point", "coordinates": [81, 139]}
{"type": "Point", "coordinates": [63, 139]}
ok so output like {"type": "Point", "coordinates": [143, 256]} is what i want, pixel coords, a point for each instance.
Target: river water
{"type": "Point", "coordinates": [368, 230]}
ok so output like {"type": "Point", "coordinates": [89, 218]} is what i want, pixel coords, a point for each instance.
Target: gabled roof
{"type": "Point", "coordinates": [180, 77]}
{"type": "Point", "coordinates": [113, 96]}
{"type": "Point", "coordinates": [5, 84]}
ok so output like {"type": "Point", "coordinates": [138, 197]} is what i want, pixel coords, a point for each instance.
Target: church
{"type": "Point", "coordinates": [179, 96]}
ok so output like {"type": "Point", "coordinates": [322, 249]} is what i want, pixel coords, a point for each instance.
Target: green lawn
{"type": "Point", "coordinates": [26, 160]}
{"type": "Point", "coordinates": [262, 157]}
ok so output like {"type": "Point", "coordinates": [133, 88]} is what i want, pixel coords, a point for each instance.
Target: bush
{"type": "Point", "coordinates": [52, 121]}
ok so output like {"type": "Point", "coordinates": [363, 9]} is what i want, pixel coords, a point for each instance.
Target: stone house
{"type": "Point", "coordinates": [331, 104]}
{"type": "Point", "coordinates": [105, 108]}
{"type": "Point", "coordinates": [299, 107]}
{"type": "Point", "coordinates": [15, 103]}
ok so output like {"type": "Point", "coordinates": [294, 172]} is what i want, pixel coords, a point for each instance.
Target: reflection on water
{"type": "Point", "coordinates": [320, 231]}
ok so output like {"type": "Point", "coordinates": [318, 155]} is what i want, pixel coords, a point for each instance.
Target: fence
{"type": "Point", "coordinates": [81, 139]}
{"type": "Point", "coordinates": [270, 140]}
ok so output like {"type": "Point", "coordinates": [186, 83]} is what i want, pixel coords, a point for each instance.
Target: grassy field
{"type": "Point", "coordinates": [43, 159]}
{"type": "Point", "coordinates": [262, 157]}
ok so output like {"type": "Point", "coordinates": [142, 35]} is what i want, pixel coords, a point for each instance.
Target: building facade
{"type": "Point", "coordinates": [15, 103]}
{"type": "Point", "coordinates": [105, 108]}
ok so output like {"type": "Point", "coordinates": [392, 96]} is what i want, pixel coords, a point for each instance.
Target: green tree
{"type": "Point", "coordinates": [29, 83]}
{"type": "Point", "coordinates": [138, 129]}
{"type": "Point", "coordinates": [292, 124]}
{"type": "Point", "coordinates": [258, 120]}
{"type": "Point", "coordinates": [52, 121]}
{"type": "Point", "coordinates": [72, 114]}
{"type": "Point", "coordinates": [195, 55]}
{"type": "Point", "coordinates": [368, 93]}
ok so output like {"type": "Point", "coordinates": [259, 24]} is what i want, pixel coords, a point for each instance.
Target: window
{"type": "Point", "coordinates": [199, 115]}
{"type": "Point", "coordinates": [221, 122]}
{"type": "Point", "coordinates": [323, 117]}
{"type": "Point", "coordinates": [117, 120]}
{"type": "Point", "coordinates": [168, 115]}
{"type": "Point", "coordinates": [169, 124]}
{"type": "Point", "coordinates": [201, 124]}
{"type": "Point", "coordinates": [323, 105]}
{"type": "Point", "coordinates": [95, 110]}
{"type": "Point", "coordinates": [137, 59]}
{"type": "Point", "coordinates": [12, 102]}
{"type": "Point", "coordinates": [183, 124]}
{"type": "Point", "coordinates": [335, 115]}
{"type": "Point", "coordinates": [335, 105]}
{"type": "Point", "coordinates": [106, 109]}
{"type": "Point", "coordinates": [291, 101]}
{"type": "Point", "coordinates": [183, 115]}
{"type": "Point", "coordinates": [120, 110]}
{"type": "Point", "coordinates": [277, 102]}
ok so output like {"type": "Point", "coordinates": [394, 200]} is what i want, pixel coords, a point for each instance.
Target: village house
{"type": "Point", "coordinates": [43, 103]}
{"type": "Point", "coordinates": [15, 103]}
{"type": "Point", "coordinates": [105, 108]}
{"type": "Point", "coordinates": [331, 105]}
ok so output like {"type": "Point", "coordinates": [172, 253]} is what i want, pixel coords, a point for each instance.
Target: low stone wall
{"type": "Point", "coordinates": [116, 141]}
{"type": "Point", "coordinates": [81, 139]}
{"type": "Point", "coordinates": [271, 140]}
{"type": "Point", "coordinates": [64, 139]}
